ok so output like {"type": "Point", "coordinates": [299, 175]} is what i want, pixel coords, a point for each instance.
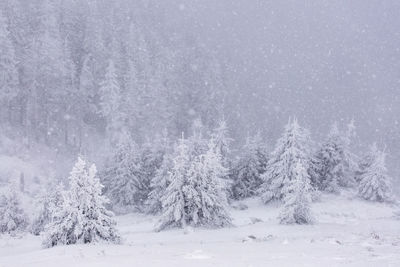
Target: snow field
{"type": "Point", "coordinates": [347, 233]}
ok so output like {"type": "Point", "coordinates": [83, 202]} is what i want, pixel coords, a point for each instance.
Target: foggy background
{"type": "Point", "coordinates": [321, 61]}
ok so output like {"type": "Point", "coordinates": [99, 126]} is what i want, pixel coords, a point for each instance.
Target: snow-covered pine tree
{"type": "Point", "coordinates": [158, 185]}
{"type": "Point", "coordinates": [83, 217]}
{"type": "Point", "coordinates": [297, 198]}
{"type": "Point", "coordinates": [222, 143]}
{"type": "Point", "coordinates": [196, 195]}
{"type": "Point", "coordinates": [291, 148]}
{"type": "Point", "coordinates": [328, 169]}
{"type": "Point", "coordinates": [12, 216]}
{"type": "Point", "coordinates": [158, 164]}
{"type": "Point", "coordinates": [246, 173]}
{"type": "Point", "coordinates": [375, 184]}
{"type": "Point", "coordinates": [206, 190]}
{"type": "Point", "coordinates": [366, 162]}
{"type": "Point", "coordinates": [123, 178]}
{"type": "Point", "coordinates": [151, 158]}
{"type": "Point", "coordinates": [173, 201]}
{"type": "Point", "coordinates": [52, 201]}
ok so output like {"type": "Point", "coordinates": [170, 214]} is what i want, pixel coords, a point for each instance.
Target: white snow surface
{"type": "Point", "coordinates": [349, 232]}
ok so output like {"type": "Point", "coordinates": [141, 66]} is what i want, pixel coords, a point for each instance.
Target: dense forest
{"type": "Point", "coordinates": [74, 70]}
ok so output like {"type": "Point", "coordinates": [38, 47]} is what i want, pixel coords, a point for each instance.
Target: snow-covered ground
{"type": "Point", "coordinates": [349, 232]}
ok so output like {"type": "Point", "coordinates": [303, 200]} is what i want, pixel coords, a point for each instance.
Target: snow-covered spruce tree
{"type": "Point", "coordinates": [207, 175]}
{"type": "Point", "coordinates": [196, 193]}
{"type": "Point", "coordinates": [222, 143]}
{"type": "Point", "coordinates": [291, 148]}
{"type": "Point", "coordinates": [12, 216]}
{"type": "Point", "coordinates": [123, 178]}
{"type": "Point", "coordinates": [328, 169]}
{"type": "Point", "coordinates": [52, 201]}
{"type": "Point", "coordinates": [173, 201]}
{"type": "Point", "coordinates": [297, 198]}
{"type": "Point", "coordinates": [151, 161]}
{"type": "Point", "coordinates": [366, 162]}
{"type": "Point", "coordinates": [83, 217]}
{"type": "Point", "coordinates": [158, 185]}
{"type": "Point", "coordinates": [246, 172]}
{"type": "Point", "coordinates": [375, 184]}
{"type": "Point", "coordinates": [159, 179]}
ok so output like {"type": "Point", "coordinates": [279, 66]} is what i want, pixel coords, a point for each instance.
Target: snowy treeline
{"type": "Point", "coordinates": [190, 182]}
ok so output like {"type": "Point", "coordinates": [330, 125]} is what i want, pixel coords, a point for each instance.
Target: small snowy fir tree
{"type": "Point", "coordinates": [329, 168]}
{"type": "Point", "coordinates": [196, 194]}
{"type": "Point", "coordinates": [246, 173]}
{"type": "Point", "coordinates": [365, 162]}
{"type": "Point", "coordinates": [12, 216]}
{"type": "Point", "coordinates": [50, 203]}
{"type": "Point", "coordinates": [83, 217]}
{"type": "Point", "coordinates": [297, 198]}
{"type": "Point", "coordinates": [291, 148]}
{"type": "Point", "coordinates": [375, 184]}
{"type": "Point", "coordinates": [151, 164]}
{"type": "Point", "coordinates": [123, 178]}
{"type": "Point", "coordinates": [159, 184]}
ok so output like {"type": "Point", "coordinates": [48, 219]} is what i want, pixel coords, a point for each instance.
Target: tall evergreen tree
{"type": "Point", "coordinates": [375, 183]}
{"type": "Point", "coordinates": [155, 164]}
{"type": "Point", "coordinates": [173, 200]}
{"type": "Point", "coordinates": [196, 194]}
{"type": "Point", "coordinates": [83, 217]}
{"type": "Point", "coordinates": [123, 177]}
{"type": "Point", "coordinates": [297, 198]}
{"type": "Point", "coordinates": [246, 173]}
{"type": "Point", "coordinates": [159, 185]}
{"type": "Point", "coordinates": [330, 168]}
{"type": "Point", "coordinates": [365, 162]}
{"type": "Point", "coordinates": [292, 148]}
